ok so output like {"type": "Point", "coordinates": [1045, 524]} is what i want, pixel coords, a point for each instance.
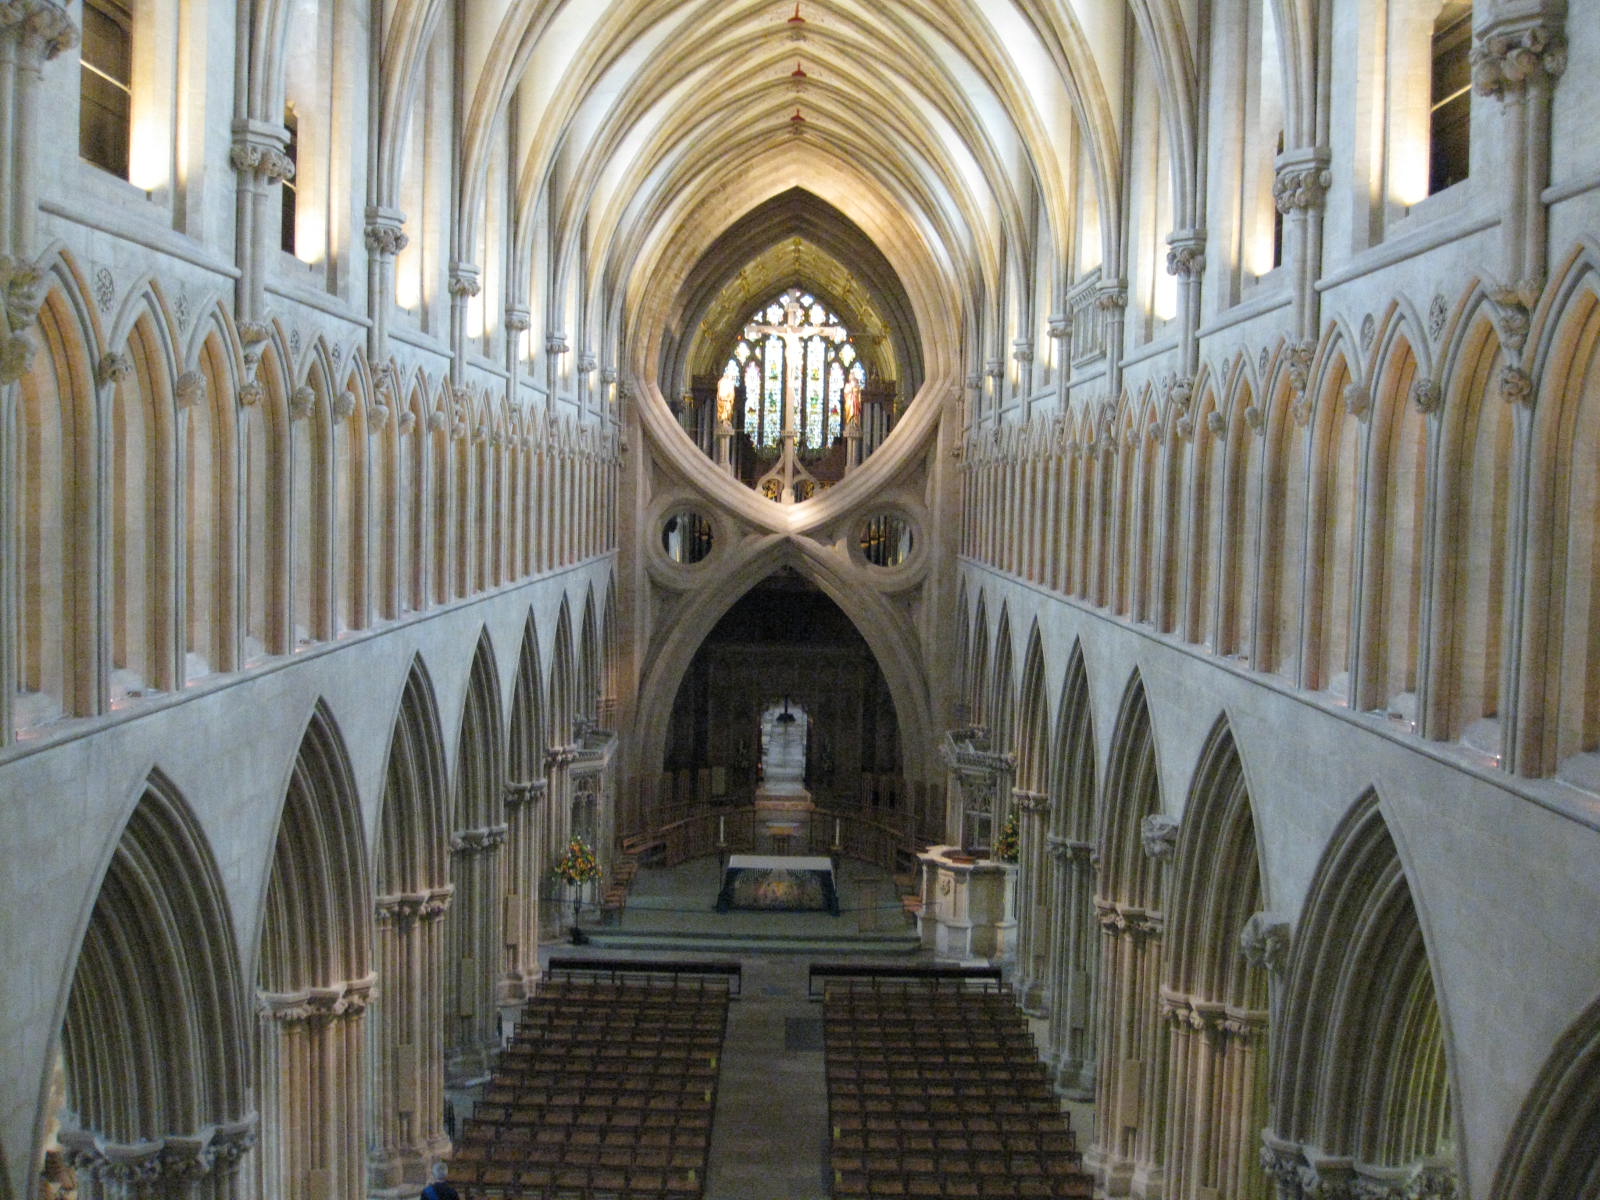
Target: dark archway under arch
{"type": "Point", "coordinates": [784, 640]}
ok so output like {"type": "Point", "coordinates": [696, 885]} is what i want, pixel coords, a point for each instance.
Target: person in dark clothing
{"type": "Point", "coordinates": [440, 1188]}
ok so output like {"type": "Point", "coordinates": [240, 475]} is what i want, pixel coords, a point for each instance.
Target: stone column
{"type": "Point", "coordinates": [1072, 960]}
{"type": "Point", "coordinates": [472, 1027]}
{"type": "Point", "coordinates": [463, 286]}
{"type": "Point", "coordinates": [1033, 811]}
{"type": "Point", "coordinates": [385, 237]}
{"type": "Point", "coordinates": [260, 157]}
{"type": "Point", "coordinates": [314, 1090]}
{"type": "Point", "coordinates": [1299, 190]}
{"type": "Point", "coordinates": [406, 1131]}
{"type": "Point", "coordinates": [558, 762]}
{"type": "Point", "coordinates": [1517, 60]}
{"type": "Point", "coordinates": [525, 868]}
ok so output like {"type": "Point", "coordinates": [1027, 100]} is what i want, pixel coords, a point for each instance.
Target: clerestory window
{"type": "Point", "coordinates": [105, 88]}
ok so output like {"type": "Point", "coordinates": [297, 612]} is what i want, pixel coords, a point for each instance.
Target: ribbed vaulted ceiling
{"type": "Point", "coordinates": [945, 132]}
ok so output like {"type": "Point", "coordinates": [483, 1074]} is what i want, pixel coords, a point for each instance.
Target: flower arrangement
{"type": "Point", "coordinates": [579, 864]}
{"type": "Point", "coordinates": [1007, 845]}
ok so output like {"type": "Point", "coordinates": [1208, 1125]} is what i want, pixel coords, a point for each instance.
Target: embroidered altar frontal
{"type": "Point", "coordinates": [778, 883]}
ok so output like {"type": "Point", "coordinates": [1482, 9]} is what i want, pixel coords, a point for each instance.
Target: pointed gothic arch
{"type": "Point", "coordinates": [412, 881]}
{"type": "Point", "coordinates": [1471, 589]}
{"type": "Point", "coordinates": [1075, 933]}
{"type": "Point", "coordinates": [1030, 803]}
{"type": "Point", "coordinates": [1361, 1084]}
{"type": "Point", "coordinates": [314, 980]}
{"type": "Point", "coordinates": [1135, 840]}
{"type": "Point", "coordinates": [1551, 1153]}
{"type": "Point", "coordinates": [1215, 996]}
{"type": "Point", "coordinates": [475, 950]}
{"type": "Point", "coordinates": [527, 812]}
{"type": "Point", "coordinates": [155, 1038]}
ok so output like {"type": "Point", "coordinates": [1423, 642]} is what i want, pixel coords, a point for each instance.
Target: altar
{"type": "Point", "coordinates": [778, 883]}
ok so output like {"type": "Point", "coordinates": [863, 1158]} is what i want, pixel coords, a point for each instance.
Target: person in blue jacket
{"type": "Point", "coordinates": [440, 1188]}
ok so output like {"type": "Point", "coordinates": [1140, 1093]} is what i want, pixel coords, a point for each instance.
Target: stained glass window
{"type": "Point", "coordinates": [825, 358]}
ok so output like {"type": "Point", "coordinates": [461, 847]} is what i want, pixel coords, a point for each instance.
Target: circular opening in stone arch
{"type": "Point", "coordinates": [687, 537]}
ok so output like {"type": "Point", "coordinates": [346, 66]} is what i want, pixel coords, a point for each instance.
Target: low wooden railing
{"type": "Point", "coordinates": [744, 830]}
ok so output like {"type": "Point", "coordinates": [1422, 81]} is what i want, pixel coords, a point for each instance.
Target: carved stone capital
{"type": "Point", "coordinates": [316, 1007]}
{"type": "Point", "coordinates": [1065, 850]}
{"type": "Point", "coordinates": [256, 154]}
{"type": "Point", "coordinates": [1036, 803]}
{"type": "Point", "coordinates": [383, 238]}
{"type": "Point", "coordinates": [527, 791]}
{"type": "Point", "coordinates": [1060, 325]}
{"type": "Point", "coordinates": [407, 909]}
{"type": "Point", "coordinates": [1264, 942]}
{"type": "Point", "coordinates": [588, 364]}
{"type": "Point", "coordinates": [114, 368]}
{"type": "Point", "coordinates": [1427, 395]}
{"type": "Point", "coordinates": [1159, 835]}
{"type": "Point", "coordinates": [1186, 256]}
{"type": "Point", "coordinates": [518, 318]}
{"type": "Point", "coordinates": [1022, 350]}
{"type": "Point", "coordinates": [478, 841]}
{"type": "Point", "coordinates": [43, 28]}
{"type": "Point", "coordinates": [254, 335]}
{"type": "Point", "coordinates": [1120, 920]}
{"type": "Point", "coordinates": [251, 393]}
{"type": "Point", "coordinates": [1300, 187]}
{"type": "Point", "coordinates": [995, 368]}
{"type": "Point", "coordinates": [1510, 56]}
{"type": "Point", "coordinates": [1298, 357]}
{"type": "Point", "coordinates": [463, 284]}
{"type": "Point", "coordinates": [556, 344]}
{"type": "Point", "coordinates": [1111, 298]}
{"type": "Point", "coordinates": [1179, 390]}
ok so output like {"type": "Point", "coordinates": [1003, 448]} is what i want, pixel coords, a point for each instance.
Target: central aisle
{"type": "Point", "coordinates": [770, 1136]}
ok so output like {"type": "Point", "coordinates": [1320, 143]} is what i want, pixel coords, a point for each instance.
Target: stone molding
{"type": "Point", "coordinates": [518, 318]}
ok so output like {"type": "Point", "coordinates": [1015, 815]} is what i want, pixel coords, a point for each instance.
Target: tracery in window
{"type": "Point", "coordinates": [797, 326]}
